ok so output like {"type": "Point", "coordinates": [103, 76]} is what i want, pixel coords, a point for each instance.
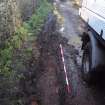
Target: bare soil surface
{"type": "Point", "coordinates": [83, 94]}
{"type": "Point", "coordinates": [47, 83]}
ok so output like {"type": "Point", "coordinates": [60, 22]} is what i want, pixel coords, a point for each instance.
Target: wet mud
{"type": "Point", "coordinates": [47, 75]}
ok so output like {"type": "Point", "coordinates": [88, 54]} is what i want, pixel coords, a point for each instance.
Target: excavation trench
{"type": "Point", "coordinates": [52, 80]}
{"type": "Point", "coordinates": [45, 83]}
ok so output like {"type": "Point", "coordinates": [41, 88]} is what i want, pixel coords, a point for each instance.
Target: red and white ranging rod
{"type": "Point", "coordinates": [64, 67]}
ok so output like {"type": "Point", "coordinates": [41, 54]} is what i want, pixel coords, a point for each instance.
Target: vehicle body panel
{"type": "Point", "coordinates": [93, 13]}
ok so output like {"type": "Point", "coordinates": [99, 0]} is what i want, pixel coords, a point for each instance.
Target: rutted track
{"type": "Point", "coordinates": [48, 77]}
{"type": "Point", "coordinates": [73, 26]}
{"type": "Point", "coordinates": [52, 81]}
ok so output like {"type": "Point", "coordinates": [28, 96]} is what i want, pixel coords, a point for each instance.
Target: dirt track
{"type": "Point", "coordinates": [73, 25]}
{"type": "Point", "coordinates": [48, 76]}
{"type": "Point", "coordinates": [52, 83]}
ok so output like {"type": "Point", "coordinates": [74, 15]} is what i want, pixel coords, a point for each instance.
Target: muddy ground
{"type": "Point", "coordinates": [84, 94]}
{"type": "Point", "coordinates": [46, 83]}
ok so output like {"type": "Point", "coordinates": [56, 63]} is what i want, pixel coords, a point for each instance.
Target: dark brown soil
{"type": "Point", "coordinates": [51, 82]}
{"type": "Point", "coordinates": [45, 81]}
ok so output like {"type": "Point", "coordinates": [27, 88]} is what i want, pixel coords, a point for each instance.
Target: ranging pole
{"type": "Point", "coordinates": [65, 70]}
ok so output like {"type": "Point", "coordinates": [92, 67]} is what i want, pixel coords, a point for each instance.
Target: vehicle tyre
{"type": "Point", "coordinates": [86, 63]}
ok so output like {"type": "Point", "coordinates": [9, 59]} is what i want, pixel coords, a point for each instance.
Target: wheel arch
{"type": "Point", "coordinates": [97, 50]}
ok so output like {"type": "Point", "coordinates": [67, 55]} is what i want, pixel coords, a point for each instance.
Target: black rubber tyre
{"type": "Point", "coordinates": [86, 63]}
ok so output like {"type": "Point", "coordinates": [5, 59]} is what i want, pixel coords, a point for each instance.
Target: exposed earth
{"type": "Point", "coordinates": [49, 77]}
{"type": "Point", "coordinates": [73, 25]}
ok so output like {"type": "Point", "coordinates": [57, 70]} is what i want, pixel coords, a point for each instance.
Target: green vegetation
{"type": "Point", "coordinates": [28, 31]}
{"type": "Point", "coordinates": [37, 20]}
{"type": "Point", "coordinates": [6, 53]}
